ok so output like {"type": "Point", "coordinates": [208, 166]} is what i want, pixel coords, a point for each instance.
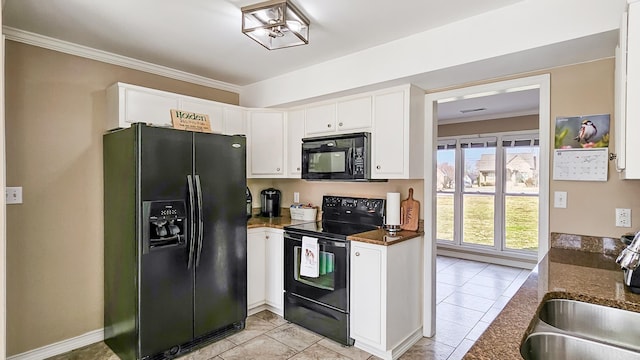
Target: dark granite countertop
{"type": "Point", "coordinates": [563, 273]}
{"type": "Point", "coordinates": [377, 237]}
{"type": "Point", "coordinates": [383, 237]}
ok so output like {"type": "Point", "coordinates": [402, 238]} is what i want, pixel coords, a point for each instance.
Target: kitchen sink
{"type": "Point", "coordinates": [598, 322]}
{"type": "Point", "coordinates": [547, 345]}
{"type": "Point", "coordinates": [570, 329]}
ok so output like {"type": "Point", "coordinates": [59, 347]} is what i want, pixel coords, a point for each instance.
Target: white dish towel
{"type": "Point", "coordinates": [309, 260]}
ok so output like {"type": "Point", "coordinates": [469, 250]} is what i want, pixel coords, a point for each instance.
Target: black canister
{"type": "Point", "coordinates": [249, 203]}
{"type": "Point", "coordinates": [270, 202]}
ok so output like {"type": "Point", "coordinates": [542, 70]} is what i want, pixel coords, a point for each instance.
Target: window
{"type": "Point", "coordinates": [487, 193]}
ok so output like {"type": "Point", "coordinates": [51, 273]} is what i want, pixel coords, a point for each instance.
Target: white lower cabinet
{"type": "Point", "coordinates": [386, 297]}
{"type": "Point", "coordinates": [274, 269]}
{"type": "Point", "coordinates": [256, 287]}
{"type": "Point", "coordinates": [265, 270]}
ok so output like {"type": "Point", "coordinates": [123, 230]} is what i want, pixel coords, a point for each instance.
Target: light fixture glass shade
{"type": "Point", "coordinates": [275, 24]}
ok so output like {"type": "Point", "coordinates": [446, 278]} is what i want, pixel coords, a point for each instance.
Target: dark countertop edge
{"type": "Point", "coordinates": [383, 237]}
{"type": "Point", "coordinates": [505, 334]}
{"type": "Point", "coordinates": [376, 237]}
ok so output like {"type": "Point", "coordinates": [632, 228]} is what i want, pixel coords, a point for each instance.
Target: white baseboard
{"type": "Point", "coordinates": [394, 353]}
{"type": "Point", "coordinates": [61, 347]}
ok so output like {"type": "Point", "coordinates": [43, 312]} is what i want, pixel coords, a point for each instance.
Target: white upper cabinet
{"type": "Point", "coordinates": [397, 136]}
{"type": "Point", "coordinates": [354, 114]}
{"type": "Point", "coordinates": [211, 108]}
{"type": "Point", "coordinates": [320, 119]}
{"type": "Point", "coordinates": [234, 121]}
{"type": "Point", "coordinates": [128, 104]}
{"type": "Point", "coordinates": [627, 115]}
{"type": "Point", "coordinates": [295, 133]}
{"type": "Point", "coordinates": [266, 144]}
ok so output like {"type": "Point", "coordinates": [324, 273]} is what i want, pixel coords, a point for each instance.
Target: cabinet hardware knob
{"type": "Point", "coordinates": [328, 125]}
{"type": "Point", "coordinates": [277, 169]}
{"type": "Point", "coordinates": [357, 253]}
{"type": "Point", "coordinates": [298, 169]}
{"type": "Point", "coordinates": [378, 167]}
{"type": "Point", "coordinates": [267, 236]}
{"type": "Point", "coordinates": [340, 124]}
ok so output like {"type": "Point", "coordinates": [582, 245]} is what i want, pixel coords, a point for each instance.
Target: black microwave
{"type": "Point", "coordinates": [344, 157]}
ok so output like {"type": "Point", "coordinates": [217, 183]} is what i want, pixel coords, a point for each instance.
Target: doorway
{"type": "Point", "coordinates": [540, 82]}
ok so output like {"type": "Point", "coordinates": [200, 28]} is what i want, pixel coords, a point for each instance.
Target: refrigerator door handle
{"type": "Point", "coordinates": [192, 221]}
{"type": "Point", "coordinates": [200, 221]}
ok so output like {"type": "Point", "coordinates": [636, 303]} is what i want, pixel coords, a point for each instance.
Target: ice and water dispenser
{"type": "Point", "coordinates": [164, 224]}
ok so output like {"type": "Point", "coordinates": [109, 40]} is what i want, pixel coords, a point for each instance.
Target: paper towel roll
{"type": "Point", "coordinates": [393, 208]}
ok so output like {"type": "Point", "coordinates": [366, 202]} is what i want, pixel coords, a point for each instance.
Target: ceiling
{"type": "Point", "coordinates": [203, 37]}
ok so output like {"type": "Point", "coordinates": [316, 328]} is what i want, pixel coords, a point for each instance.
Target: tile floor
{"type": "Point", "coordinates": [469, 295]}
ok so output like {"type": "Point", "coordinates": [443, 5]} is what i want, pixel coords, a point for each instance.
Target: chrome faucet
{"type": "Point", "coordinates": [629, 258]}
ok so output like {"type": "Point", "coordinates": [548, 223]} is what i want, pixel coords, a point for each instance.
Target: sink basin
{"type": "Point", "coordinates": [547, 345]}
{"type": "Point", "coordinates": [596, 322]}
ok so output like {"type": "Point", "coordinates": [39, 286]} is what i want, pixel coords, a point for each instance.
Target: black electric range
{"type": "Point", "coordinates": [320, 303]}
{"type": "Point", "coordinates": [344, 216]}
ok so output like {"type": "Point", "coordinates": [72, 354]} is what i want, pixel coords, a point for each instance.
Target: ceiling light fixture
{"type": "Point", "coordinates": [275, 24]}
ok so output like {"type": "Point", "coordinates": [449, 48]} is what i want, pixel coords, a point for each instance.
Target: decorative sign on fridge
{"type": "Point", "coordinates": [190, 121]}
{"type": "Point", "coordinates": [581, 148]}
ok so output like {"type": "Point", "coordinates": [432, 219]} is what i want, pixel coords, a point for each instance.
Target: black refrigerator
{"type": "Point", "coordinates": [175, 240]}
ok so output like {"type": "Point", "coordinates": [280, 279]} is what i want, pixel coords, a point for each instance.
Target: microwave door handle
{"type": "Point", "coordinates": [350, 160]}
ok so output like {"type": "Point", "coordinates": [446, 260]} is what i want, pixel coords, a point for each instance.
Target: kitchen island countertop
{"type": "Point", "coordinates": [568, 274]}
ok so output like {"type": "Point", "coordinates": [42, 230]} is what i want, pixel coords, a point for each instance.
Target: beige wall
{"type": "Point", "coordinates": [55, 111]}
{"type": "Point", "coordinates": [528, 122]}
{"type": "Point", "coordinates": [584, 89]}
{"type": "Point", "coordinates": [312, 191]}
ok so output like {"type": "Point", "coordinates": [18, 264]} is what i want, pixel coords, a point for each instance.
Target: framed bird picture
{"type": "Point", "coordinates": [582, 132]}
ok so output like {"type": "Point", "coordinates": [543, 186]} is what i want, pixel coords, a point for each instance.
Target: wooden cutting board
{"type": "Point", "coordinates": [409, 213]}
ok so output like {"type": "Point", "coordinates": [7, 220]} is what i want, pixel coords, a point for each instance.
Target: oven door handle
{"type": "Point", "coordinates": [341, 244]}
{"type": "Point", "coordinates": [314, 306]}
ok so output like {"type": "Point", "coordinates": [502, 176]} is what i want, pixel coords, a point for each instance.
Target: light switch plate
{"type": "Point", "coordinates": [296, 197]}
{"type": "Point", "coordinates": [14, 195]}
{"type": "Point", "coordinates": [560, 199]}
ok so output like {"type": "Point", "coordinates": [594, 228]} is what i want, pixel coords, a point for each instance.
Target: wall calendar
{"type": "Point", "coordinates": [581, 164]}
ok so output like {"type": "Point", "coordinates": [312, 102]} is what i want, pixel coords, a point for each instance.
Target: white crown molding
{"type": "Point", "coordinates": [110, 58]}
{"type": "Point", "coordinates": [61, 347]}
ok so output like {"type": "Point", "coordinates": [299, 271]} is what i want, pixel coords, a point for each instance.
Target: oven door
{"type": "Point", "coordinates": [331, 287]}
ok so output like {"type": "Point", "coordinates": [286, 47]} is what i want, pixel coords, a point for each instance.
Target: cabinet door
{"type": "Point", "coordinates": [354, 114]}
{"type": "Point", "coordinates": [366, 292]}
{"type": "Point", "coordinates": [255, 268]}
{"type": "Point", "coordinates": [389, 121]}
{"type": "Point", "coordinates": [320, 119]}
{"type": "Point", "coordinates": [275, 269]}
{"type": "Point", "coordinates": [295, 133]}
{"type": "Point", "coordinates": [211, 108]}
{"type": "Point", "coordinates": [267, 143]}
{"type": "Point", "coordinates": [234, 121]}
{"type": "Point", "coordinates": [149, 107]}
{"type": "Point", "coordinates": [632, 166]}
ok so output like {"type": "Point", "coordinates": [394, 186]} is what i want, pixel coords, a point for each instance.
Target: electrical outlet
{"type": "Point", "coordinates": [296, 197]}
{"type": "Point", "coordinates": [623, 218]}
{"type": "Point", "coordinates": [13, 195]}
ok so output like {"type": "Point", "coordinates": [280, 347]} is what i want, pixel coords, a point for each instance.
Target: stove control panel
{"type": "Point", "coordinates": [343, 208]}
